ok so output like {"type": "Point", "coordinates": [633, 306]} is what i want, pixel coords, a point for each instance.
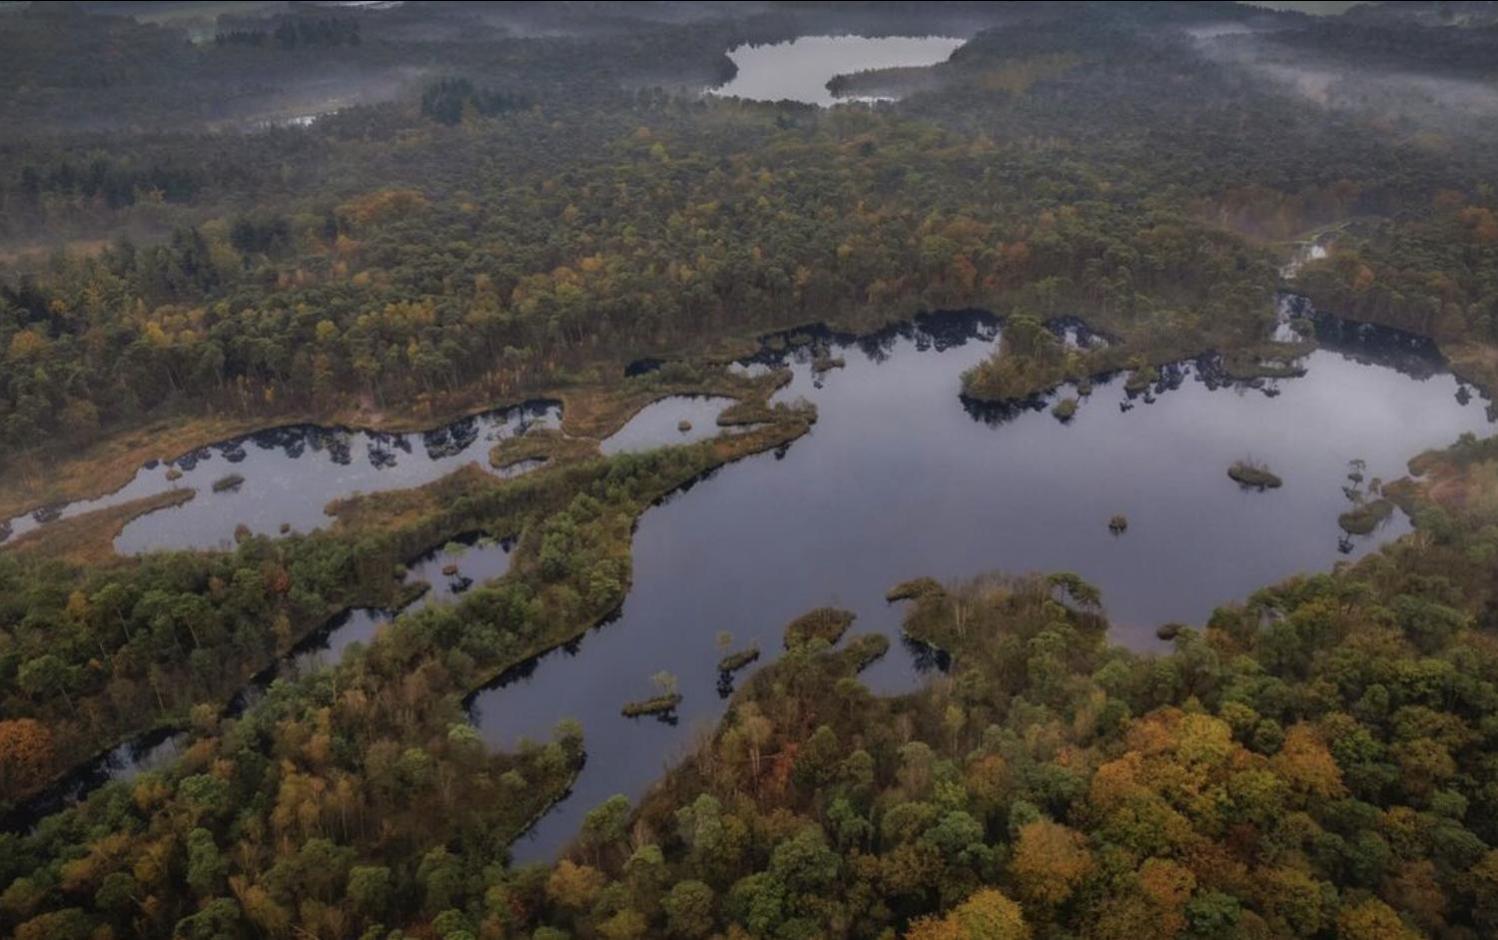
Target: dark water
{"type": "Point", "coordinates": [898, 479]}
{"type": "Point", "coordinates": [151, 751]}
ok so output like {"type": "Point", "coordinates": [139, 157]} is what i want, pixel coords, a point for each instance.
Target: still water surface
{"type": "Point", "coordinates": [898, 479]}
{"type": "Point", "coordinates": [800, 69]}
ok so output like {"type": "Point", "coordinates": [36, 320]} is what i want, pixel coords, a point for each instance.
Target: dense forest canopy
{"type": "Point", "coordinates": [218, 218]}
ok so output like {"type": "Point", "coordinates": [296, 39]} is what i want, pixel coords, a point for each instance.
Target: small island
{"type": "Point", "coordinates": [683, 425]}
{"type": "Point", "coordinates": [1065, 409]}
{"type": "Point", "coordinates": [658, 705]}
{"type": "Point", "coordinates": [662, 704]}
{"type": "Point", "coordinates": [1169, 631]}
{"type": "Point", "coordinates": [825, 623]}
{"type": "Point", "coordinates": [738, 659]}
{"type": "Point", "coordinates": [1248, 473]}
{"type": "Point", "coordinates": [1119, 524]}
{"type": "Point", "coordinates": [914, 589]}
{"type": "Point", "coordinates": [231, 482]}
{"type": "Point", "coordinates": [1365, 517]}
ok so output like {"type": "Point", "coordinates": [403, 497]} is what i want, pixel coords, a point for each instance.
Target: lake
{"type": "Point", "coordinates": [799, 70]}
{"type": "Point", "coordinates": [899, 478]}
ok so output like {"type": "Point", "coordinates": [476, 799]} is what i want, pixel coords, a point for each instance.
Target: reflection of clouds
{"type": "Point", "coordinates": [658, 423]}
{"type": "Point", "coordinates": [895, 480]}
{"type": "Point", "coordinates": [293, 472]}
{"type": "Point", "coordinates": [800, 69]}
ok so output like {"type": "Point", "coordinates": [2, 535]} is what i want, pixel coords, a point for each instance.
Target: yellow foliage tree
{"type": "Point", "coordinates": [988, 914]}
{"type": "Point", "coordinates": [1050, 860]}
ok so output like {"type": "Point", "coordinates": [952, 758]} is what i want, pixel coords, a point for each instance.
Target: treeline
{"type": "Point", "coordinates": [1435, 274]}
{"type": "Point", "coordinates": [95, 657]}
{"type": "Point", "coordinates": [673, 236]}
{"type": "Point", "coordinates": [447, 100]}
{"type": "Point", "coordinates": [293, 31]}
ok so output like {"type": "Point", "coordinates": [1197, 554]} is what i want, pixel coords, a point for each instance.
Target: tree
{"type": "Point", "coordinates": [606, 823]}
{"type": "Point", "coordinates": [205, 865]}
{"type": "Point", "coordinates": [46, 675]}
{"type": "Point", "coordinates": [1372, 920]}
{"type": "Point", "coordinates": [572, 886]}
{"type": "Point", "coordinates": [665, 682]}
{"type": "Point", "coordinates": [689, 909]}
{"type": "Point", "coordinates": [1050, 861]}
{"type": "Point", "coordinates": [25, 756]}
{"type": "Point", "coordinates": [987, 914]}
{"type": "Point", "coordinates": [369, 889]}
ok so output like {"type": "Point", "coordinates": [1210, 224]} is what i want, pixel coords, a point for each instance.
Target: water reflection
{"type": "Point", "coordinates": [679, 419]}
{"type": "Point", "coordinates": [151, 751]}
{"type": "Point", "coordinates": [800, 69]}
{"type": "Point", "coordinates": [289, 474]}
{"type": "Point", "coordinates": [897, 479]}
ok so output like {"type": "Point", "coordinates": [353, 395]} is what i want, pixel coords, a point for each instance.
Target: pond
{"type": "Point", "coordinates": [291, 474]}
{"type": "Point", "coordinates": [679, 419]}
{"type": "Point", "coordinates": [799, 70]}
{"type": "Point", "coordinates": [279, 480]}
{"type": "Point", "coordinates": [899, 478]}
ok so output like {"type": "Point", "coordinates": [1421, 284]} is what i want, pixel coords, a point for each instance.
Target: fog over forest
{"type": "Point", "coordinates": [749, 470]}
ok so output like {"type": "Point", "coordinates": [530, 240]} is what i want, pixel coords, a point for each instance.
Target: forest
{"type": "Point", "coordinates": [214, 221]}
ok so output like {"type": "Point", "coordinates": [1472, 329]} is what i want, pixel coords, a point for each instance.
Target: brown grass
{"type": "Point", "coordinates": [51, 475]}
{"type": "Point", "coordinates": [542, 443]}
{"type": "Point", "coordinates": [89, 539]}
{"type": "Point", "coordinates": [393, 510]}
{"type": "Point", "coordinates": [1473, 362]}
{"type": "Point", "coordinates": [33, 480]}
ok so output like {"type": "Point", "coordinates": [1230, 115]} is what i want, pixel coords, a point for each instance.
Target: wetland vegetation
{"type": "Point", "coordinates": [391, 394]}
